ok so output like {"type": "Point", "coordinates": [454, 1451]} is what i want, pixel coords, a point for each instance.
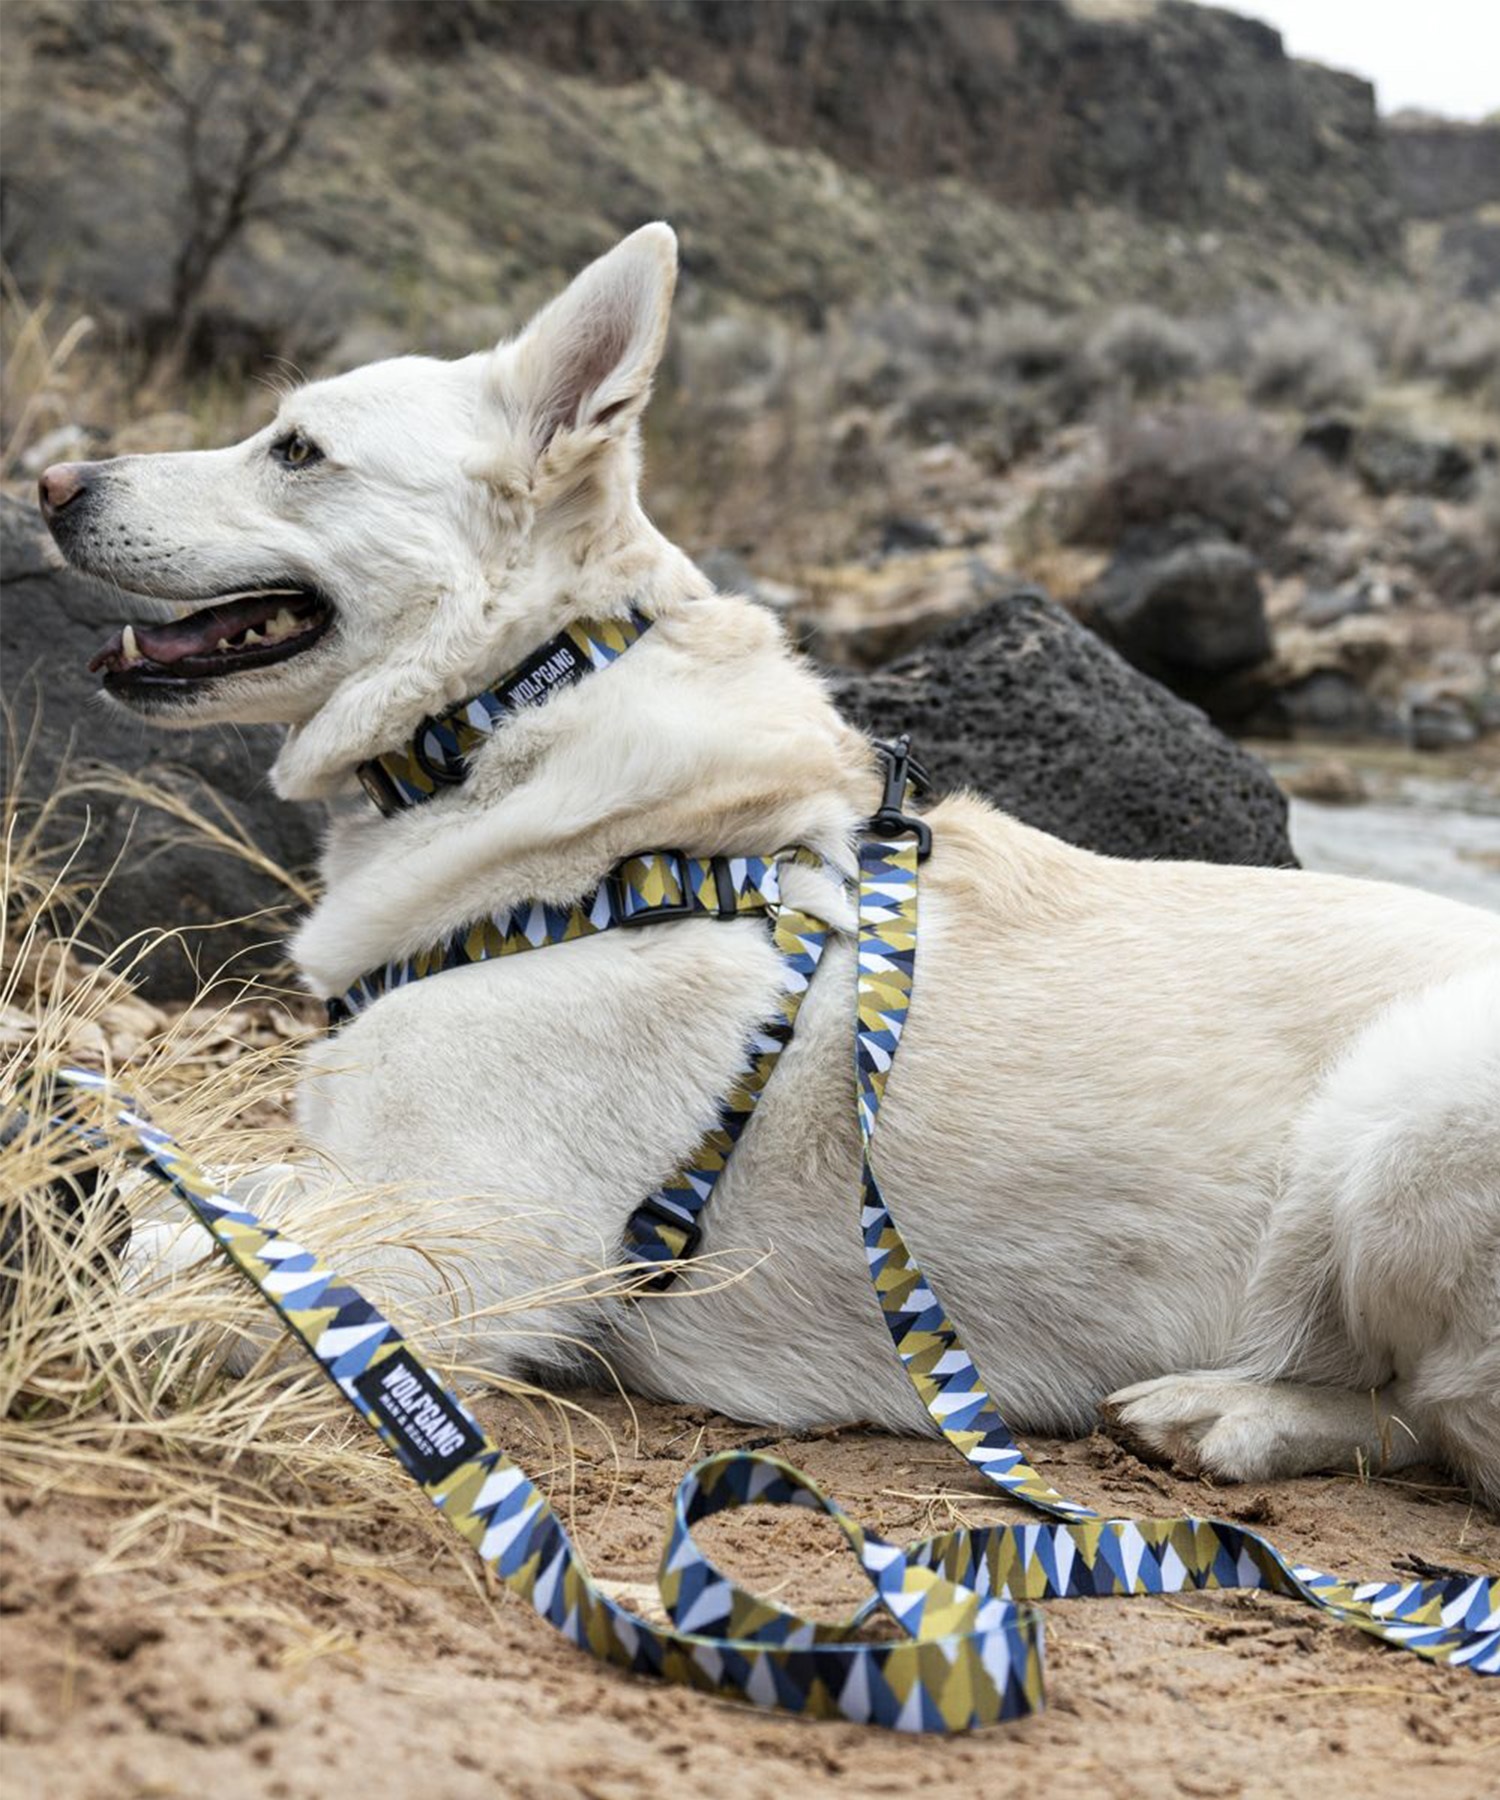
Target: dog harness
{"type": "Point", "coordinates": [964, 1601]}
{"type": "Point", "coordinates": [649, 888]}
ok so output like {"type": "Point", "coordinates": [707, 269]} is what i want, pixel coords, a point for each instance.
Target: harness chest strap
{"type": "Point", "coordinates": [653, 887]}
{"type": "Point", "coordinates": [661, 886]}
{"type": "Point", "coordinates": [971, 1653]}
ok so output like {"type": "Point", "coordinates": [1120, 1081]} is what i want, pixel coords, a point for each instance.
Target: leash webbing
{"type": "Point", "coordinates": [972, 1653]}
{"type": "Point", "coordinates": [1456, 1620]}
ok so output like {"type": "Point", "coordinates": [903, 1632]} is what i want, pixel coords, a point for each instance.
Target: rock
{"type": "Point", "coordinates": [51, 622]}
{"type": "Point", "coordinates": [1330, 780]}
{"type": "Point", "coordinates": [1327, 700]}
{"type": "Point", "coordinates": [1020, 702]}
{"type": "Point", "coordinates": [1331, 436]}
{"type": "Point", "coordinates": [1392, 461]}
{"type": "Point", "coordinates": [1326, 606]}
{"type": "Point", "coordinates": [900, 533]}
{"type": "Point", "coordinates": [731, 575]}
{"type": "Point", "coordinates": [1197, 612]}
{"type": "Point", "coordinates": [868, 612]}
{"type": "Point", "coordinates": [1439, 724]}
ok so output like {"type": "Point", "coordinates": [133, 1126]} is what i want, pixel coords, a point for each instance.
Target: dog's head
{"type": "Point", "coordinates": [377, 538]}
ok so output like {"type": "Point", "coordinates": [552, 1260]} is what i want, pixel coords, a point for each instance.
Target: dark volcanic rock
{"type": "Point", "coordinates": [1022, 703]}
{"type": "Point", "coordinates": [1392, 461]}
{"type": "Point", "coordinates": [1197, 611]}
{"type": "Point", "coordinates": [51, 622]}
{"type": "Point", "coordinates": [1442, 166]}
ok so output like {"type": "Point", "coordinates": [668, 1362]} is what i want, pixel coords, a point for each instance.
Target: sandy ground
{"type": "Point", "coordinates": [386, 1668]}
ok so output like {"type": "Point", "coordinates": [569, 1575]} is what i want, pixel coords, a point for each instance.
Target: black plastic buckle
{"type": "Point", "coordinates": [380, 788]}
{"type": "Point", "coordinates": [650, 914]}
{"type": "Point", "coordinates": [692, 1235]}
{"type": "Point", "coordinates": [902, 771]}
{"type": "Point", "coordinates": [725, 893]}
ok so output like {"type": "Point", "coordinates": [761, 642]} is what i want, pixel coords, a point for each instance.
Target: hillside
{"type": "Point", "coordinates": [1105, 294]}
{"type": "Point", "coordinates": [811, 156]}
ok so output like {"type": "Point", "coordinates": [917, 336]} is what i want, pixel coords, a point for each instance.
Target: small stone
{"type": "Point", "coordinates": [1330, 780]}
{"type": "Point", "coordinates": [1440, 725]}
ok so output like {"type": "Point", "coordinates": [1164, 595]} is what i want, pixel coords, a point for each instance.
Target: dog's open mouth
{"type": "Point", "coordinates": [241, 631]}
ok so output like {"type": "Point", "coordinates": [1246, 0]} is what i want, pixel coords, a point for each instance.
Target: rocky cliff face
{"type": "Point", "coordinates": [813, 157]}
{"type": "Point", "coordinates": [1443, 167]}
{"type": "Point", "coordinates": [1448, 182]}
{"type": "Point", "coordinates": [1181, 113]}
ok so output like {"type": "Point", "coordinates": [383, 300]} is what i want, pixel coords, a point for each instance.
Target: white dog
{"type": "Point", "coordinates": [1149, 1119]}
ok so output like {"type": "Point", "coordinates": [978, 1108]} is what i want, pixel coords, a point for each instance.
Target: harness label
{"type": "Point", "coordinates": [432, 1435]}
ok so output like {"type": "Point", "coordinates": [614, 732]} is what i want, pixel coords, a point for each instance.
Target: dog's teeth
{"type": "Point", "coordinates": [223, 644]}
{"type": "Point", "coordinates": [283, 625]}
{"type": "Point", "coordinates": [129, 649]}
{"type": "Point", "coordinates": [252, 636]}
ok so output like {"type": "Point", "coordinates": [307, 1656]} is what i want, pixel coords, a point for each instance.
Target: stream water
{"type": "Point", "coordinates": [1426, 823]}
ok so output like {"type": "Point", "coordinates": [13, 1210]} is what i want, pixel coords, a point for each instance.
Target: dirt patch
{"type": "Point", "coordinates": [387, 1666]}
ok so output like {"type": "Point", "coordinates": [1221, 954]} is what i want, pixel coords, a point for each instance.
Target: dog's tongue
{"type": "Point", "coordinates": [200, 633]}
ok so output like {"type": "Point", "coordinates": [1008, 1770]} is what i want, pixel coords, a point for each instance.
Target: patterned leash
{"type": "Point", "coordinates": [971, 1653]}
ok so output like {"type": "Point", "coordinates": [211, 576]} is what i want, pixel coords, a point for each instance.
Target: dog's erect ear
{"type": "Point", "coordinates": [584, 363]}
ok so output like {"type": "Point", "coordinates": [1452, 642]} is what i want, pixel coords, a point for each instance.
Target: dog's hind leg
{"type": "Point", "coordinates": [1239, 1430]}
{"type": "Point", "coordinates": [1371, 1330]}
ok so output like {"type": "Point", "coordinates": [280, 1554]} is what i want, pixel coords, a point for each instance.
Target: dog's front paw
{"type": "Point", "coordinates": [1198, 1424]}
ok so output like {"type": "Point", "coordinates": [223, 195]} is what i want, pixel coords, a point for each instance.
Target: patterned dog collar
{"type": "Point", "coordinates": [436, 756]}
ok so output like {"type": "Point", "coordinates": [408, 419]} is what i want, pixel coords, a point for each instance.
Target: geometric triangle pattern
{"type": "Point", "coordinates": [1455, 1620]}
{"type": "Point", "coordinates": [966, 1659]}
{"type": "Point", "coordinates": [651, 887]}
{"type": "Point", "coordinates": [436, 757]}
{"type": "Point", "coordinates": [665, 1229]}
{"type": "Point", "coordinates": [965, 1602]}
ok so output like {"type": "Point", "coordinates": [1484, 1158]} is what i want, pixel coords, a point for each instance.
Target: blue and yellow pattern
{"type": "Point", "coordinates": [436, 757]}
{"type": "Point", "coordinates": [965, 1601]}
{"type": "Point", "coordinates": [653, 886]}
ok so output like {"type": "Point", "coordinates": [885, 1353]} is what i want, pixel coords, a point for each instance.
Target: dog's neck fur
{"type": "Point", "coordinates": [709, 735]}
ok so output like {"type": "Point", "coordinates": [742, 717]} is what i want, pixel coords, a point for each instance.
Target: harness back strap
{"type": "Point", "coordinates": [971, 1650]}
{"type": "Point", "coordinates": [436, 756]}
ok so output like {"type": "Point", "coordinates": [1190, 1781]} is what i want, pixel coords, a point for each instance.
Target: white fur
{"type": "Point", "coordinates": [1149, 1119]}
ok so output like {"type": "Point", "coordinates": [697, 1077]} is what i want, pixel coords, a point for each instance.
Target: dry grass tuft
{"type": "Point", "coordinates": [117, 1391]}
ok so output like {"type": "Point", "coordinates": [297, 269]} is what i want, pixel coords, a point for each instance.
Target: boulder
{"type": "Point", "coordinates": [1191, 616]}
{"type": "Point", "coordinates": [1023, 704]}
{"type": "Point", "coordinates": [1390, 460]}
{"type": "Point", "coordinates": [167, 876]}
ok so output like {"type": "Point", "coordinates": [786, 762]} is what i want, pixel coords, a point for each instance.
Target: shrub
{"type": "Point", "coordinates": [1142, 350]}
{"type": "Point", "coordinates": [1468, 361]}
{"type": "Point", "coordinates": [1310, 360]}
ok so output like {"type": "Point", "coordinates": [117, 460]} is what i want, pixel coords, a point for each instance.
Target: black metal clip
{"type": "Point", "coordinates": [441, 773]}
{"type": "Point", "coordinates": [903, 773]}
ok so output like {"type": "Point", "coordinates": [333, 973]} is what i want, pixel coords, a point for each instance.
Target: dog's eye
{"type": "Point", "coordinates": [296, 451]}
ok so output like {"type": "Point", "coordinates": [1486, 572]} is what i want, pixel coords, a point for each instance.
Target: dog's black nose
{"type": "Point", "coordinates": [61, 485]}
